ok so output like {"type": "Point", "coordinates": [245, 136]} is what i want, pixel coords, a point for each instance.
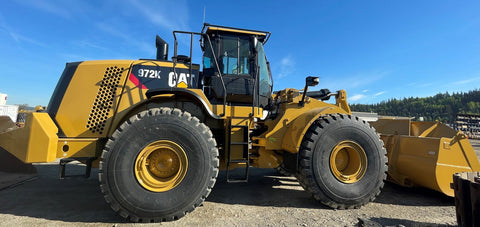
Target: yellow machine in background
{"type": "Point", "coordinates": [425, 154]}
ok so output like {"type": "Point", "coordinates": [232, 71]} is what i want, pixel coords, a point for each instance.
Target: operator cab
{"type": "Point", "coordinates": [234, 62]}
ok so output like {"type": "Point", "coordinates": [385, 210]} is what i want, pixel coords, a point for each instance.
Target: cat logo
{"type": "Point", "coordinates": [182, 80]}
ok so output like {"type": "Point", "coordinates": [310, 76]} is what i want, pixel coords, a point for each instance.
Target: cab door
{"type": "Point", "coordinates": [236, 62]}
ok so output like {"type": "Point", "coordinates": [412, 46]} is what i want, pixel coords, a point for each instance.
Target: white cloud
{"type": "Point", "coordinates": [17, 37]}
{"type": "Point", "coordinates": [172, 15]}
{"type": "Point", "coordinates": [356, 97]}
{"type": "Point", "coordinates": [366, 78]}
{"type": "Point", "coordinates": [425, 85]}
{"type": "Point", "coordinates": [359, 80]}
{"type": "Point", "coordinates": [20, 38]}
{"type": "Point", "coordinates": [287, 66]}
{"type": "Point", "coordinates": [65, 8]}
{"type": "Point", "coordinates": [68, 57]}
{"type": "Point", "coordinates": [89, 44]}
{"type": "Point", "coordinates": [379, 93]}
{"type": "Point", "coordinates": [365, 91]}
{"type": "Point", "coordinates": [49, 7]}
{"type": "Point", "coordinates": [108, 28]}
{"type": "Point", "coordinates": [466, 81]}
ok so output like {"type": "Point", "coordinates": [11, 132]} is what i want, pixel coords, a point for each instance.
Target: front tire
{"type": "Point", "coordinates": [283, 171]}
{"type": "Point", "coordinates": [159, 165]}
{"type": "Point", "coordinates": [342, 162]}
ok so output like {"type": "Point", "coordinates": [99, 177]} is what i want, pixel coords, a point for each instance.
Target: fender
{"type": "Point", "coordinates": [294, 124]}
{"type": "Point", "coordinates": [288, 130]}
{"type": "Point", "coordinates": [194, 94]}
{"type": "Point", "coordinates": [298, 128]}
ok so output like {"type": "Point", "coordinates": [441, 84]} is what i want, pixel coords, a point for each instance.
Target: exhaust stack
{"type": "Point", "coordinates": [162, 49]}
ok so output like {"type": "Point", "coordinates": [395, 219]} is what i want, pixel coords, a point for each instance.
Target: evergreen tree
{"type": "Point", "coordinates": [442, 107]}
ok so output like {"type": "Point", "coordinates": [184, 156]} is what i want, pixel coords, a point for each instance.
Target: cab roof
{"type": "Point", "coordinates": [261, 35]}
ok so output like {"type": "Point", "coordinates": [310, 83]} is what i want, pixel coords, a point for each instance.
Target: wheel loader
{"type": "Point", "coordinates": [160, 130]}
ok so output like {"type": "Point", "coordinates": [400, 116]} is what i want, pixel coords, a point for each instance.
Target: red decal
{"type": "Point", "coordinates": [135, 81]}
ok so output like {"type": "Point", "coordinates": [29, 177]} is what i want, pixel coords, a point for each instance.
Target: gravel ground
{"type": "Point", "coordinates": [268, 199]}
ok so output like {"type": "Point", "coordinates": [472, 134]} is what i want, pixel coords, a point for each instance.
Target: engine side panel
{"type": "Point", "coordinates": [90, 97]}
{"type": "Point", "coordinates": [90, 94]}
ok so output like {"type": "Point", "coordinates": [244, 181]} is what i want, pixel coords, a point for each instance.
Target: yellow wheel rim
{"type": "Point", "coordinates": [348, 162]}
{"type": "Point", "coordinates": [161, 166]}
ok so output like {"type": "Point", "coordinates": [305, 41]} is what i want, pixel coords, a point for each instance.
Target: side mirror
{"type": "Point", "coordinates": [309, 82]}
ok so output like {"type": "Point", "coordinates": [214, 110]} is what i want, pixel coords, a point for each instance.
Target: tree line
{"type": "Point", "coordinates": [442, 107]}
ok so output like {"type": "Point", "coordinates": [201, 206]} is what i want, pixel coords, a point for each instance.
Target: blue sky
{"type": "Point", "coordinates": [375, 50]}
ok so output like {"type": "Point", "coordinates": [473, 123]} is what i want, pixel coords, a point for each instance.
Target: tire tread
{"type": "Point", "coordinates": [184, 116]}
{"type": "Point", "coordinates": [305, 174]}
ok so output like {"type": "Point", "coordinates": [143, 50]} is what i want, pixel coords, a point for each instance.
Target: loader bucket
{"type": "Point", "coordinates": [425, 154]}
{"type": "Point", "coordinates": [12, 170]}
{"type": "Point", "coordinates": [6, 124]}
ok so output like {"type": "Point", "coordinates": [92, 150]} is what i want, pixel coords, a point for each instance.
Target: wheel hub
{"type": "Point", "coordinates": [161, 166]}
{"type": "Point", "coordinates": [348, 162]}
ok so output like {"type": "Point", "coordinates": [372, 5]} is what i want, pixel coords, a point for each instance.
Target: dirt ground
{"type": "Point", "coordinates": [268, 199]}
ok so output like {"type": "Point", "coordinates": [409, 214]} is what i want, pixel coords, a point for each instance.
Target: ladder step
{"type": "Point", "coordinates": [239, 161]}
{"type": "Point", "coordinates": [237, 180]}
{"type": "Point", "coordinates": [239, 126]}
{"type": "Point", "coordinates": [241, 129]}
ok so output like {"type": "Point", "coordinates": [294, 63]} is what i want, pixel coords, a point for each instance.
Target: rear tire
{"type": "Point", "coordinates": [342, 162]}
{"type": "Point", "coordinates": [159, 165]}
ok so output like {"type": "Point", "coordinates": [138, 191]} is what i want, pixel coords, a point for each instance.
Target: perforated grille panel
{"type": "Point", "coordinates": [104, 100]}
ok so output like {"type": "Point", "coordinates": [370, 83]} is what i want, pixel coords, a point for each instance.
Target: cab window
{"type": "Point", "coordinates": [233, 54]}
{"type": "Point", "coordinates": [265, 84]}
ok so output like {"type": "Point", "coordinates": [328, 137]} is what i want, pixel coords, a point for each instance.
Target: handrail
{"type": "Point", "coordinates": [220, 75]}
{"type": "Point", "coordinates": [191, 59]}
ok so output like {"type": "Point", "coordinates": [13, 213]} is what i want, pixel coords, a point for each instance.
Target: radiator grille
{"type": "Point", "coordinates": [104, 100]}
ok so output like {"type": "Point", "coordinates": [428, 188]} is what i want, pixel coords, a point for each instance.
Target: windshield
{"type": "Point", "coordinates": [265, 84]}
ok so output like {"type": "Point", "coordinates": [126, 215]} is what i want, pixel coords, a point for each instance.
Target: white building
{"type": "Point", "coordinates": [3, 99]}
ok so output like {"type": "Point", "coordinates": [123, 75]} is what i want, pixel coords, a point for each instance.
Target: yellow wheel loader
{"type": "Point", "coordinates": [161, 130]}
